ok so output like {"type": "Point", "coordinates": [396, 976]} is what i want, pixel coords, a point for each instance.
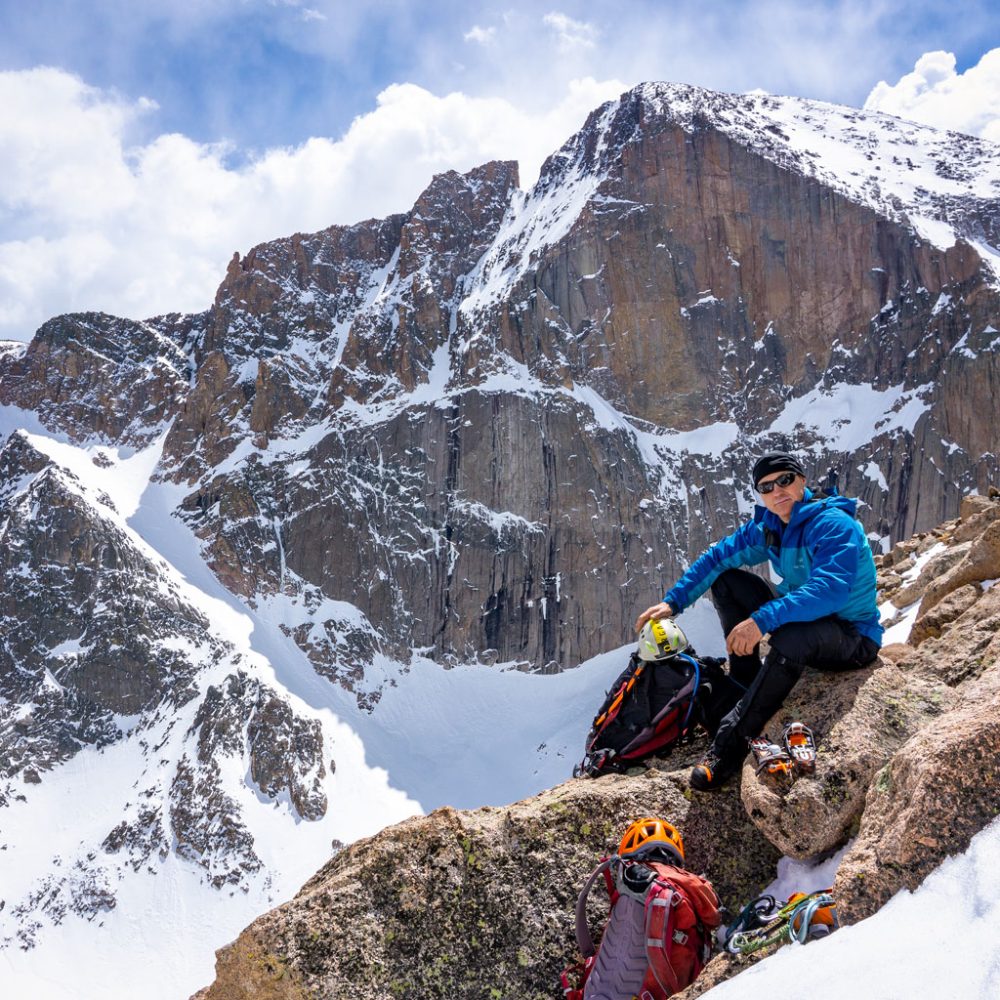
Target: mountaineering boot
{"type": "Point", "coordinates": [770, 757]}
{"type": "Point", "coordinates": [801, 747]}
{"type": "Point", "coordinates": [716, 769]}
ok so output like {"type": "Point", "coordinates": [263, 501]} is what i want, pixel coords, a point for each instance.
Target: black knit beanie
{"type": "Point", "coordinates": [776, 461]}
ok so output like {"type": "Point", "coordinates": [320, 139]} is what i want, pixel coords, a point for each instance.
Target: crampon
{"type": "Point", "coordinates": [801, 747]}
{"type": "Point", "coordinates": [770, 758]}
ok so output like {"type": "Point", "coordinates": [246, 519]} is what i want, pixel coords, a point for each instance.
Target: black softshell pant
{"type": "Point", "coordinates": [828, 643]}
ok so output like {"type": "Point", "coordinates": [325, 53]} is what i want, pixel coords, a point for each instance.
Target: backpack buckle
{"type": "Point", "coordinates": [594, 763]}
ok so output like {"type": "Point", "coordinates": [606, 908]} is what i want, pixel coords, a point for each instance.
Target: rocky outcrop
{"type": "Point", "coordinates": [939, 790]}
{"type": "Point", "coordinates": [928, 802]}
{"type": "Point", "coordinates": [89, 632]}
{"type": "Point", "coordinates": [907, 747]}
{"type": "Point", "coordinates": [860, 720]}
{"type": "Point", "coordinates": [92, 374]}
{"type": "Point", "coordinates": [102, 646]}
{"type": "Point", "coordinates": [472, 904]}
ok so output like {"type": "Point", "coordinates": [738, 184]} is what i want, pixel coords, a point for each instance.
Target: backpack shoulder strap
{"type": "Point", "coordinates": [583, 938]}
{"type": "Point", "coordinates": [612, 701]}
{"type": "Point", "coordinates": [661, 903]}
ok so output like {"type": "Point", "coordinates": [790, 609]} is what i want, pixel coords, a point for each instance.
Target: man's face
{"type": "Point", "coordinates": [780, 499]}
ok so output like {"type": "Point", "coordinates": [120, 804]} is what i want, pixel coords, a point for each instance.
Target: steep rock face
{"type": "Point", "coordinates": [459, 527]}
{"type": "Point", "coordinates": [441, 418]}
{"type": "Point", "coordinates": [705, 282]}
{"type": "Point", "coordinates": [275, 332]}
{"type": "Point", "coordinates": [93, 374]}
{"type": "Point", "coordinates": [349, 312]}
{"type": "Point", "coordinates": [670, 262]}
{"type": "Point", "coordinates": [738, 277]}
{"type": "Point", "coordinates": [391, 347]}
{"type": "Point", "coordinates": [470, 904]}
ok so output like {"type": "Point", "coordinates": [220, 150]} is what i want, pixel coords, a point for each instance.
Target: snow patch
{"type": "Point", "coordinates": [852, 415]}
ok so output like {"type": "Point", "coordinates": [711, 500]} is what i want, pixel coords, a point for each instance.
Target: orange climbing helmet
{"type": "Point", "coordinates": [649, 836]}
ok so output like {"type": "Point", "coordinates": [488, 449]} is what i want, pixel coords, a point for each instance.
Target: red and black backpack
{"type": "Point", "coordinates": [658, 936]}
{"type": "Point", "coordinates": [652, 706]}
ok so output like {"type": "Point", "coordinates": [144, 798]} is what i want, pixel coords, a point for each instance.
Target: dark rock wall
{"type": "Point", "coordinates": [702, 279]}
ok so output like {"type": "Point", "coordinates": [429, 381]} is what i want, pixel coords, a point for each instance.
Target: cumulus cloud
{"type": "Point", "coordinates": [570, 34]}
{"type": "Point", "coordinates": [935, 94]}
{"type": "Point", "coordinates": [479, 34]}
{"type": "Point", "coordinates": [92, 222]}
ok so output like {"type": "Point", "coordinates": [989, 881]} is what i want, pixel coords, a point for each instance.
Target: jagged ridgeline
{"type": "Point", "coordinates": [496, 423]}
{"type": "Point", "coordinates": [487, 430]}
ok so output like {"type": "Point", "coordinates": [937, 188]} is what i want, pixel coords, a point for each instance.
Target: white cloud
{"type": "Point", "coordinates": [481, 35]}
{"type": "Point", "coordinates": [90, 222]}
{"type": "Point", "coordinates": [935, 94]}
{"type": "Point", "coordinates": [570, 34]}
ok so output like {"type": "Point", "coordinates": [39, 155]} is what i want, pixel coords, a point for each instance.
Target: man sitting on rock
{"type": "Point", "coordinates": [823, 613]}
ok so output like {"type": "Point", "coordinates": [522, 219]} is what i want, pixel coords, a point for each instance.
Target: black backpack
{"type": "Point", "coordinates": [652, 706]}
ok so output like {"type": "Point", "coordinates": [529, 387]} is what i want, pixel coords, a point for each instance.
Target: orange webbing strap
{"type": "Point", "coordinates": [616, 704]}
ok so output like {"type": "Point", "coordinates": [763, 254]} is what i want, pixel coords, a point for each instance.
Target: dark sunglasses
{"type": "Point", "coordinates": [784, 480]}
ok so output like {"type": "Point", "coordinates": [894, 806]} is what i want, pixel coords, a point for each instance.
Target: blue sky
{"type": "Point", "coordinates": [261, 73]}
{"type": "Point", "coordinates": [142, 142]}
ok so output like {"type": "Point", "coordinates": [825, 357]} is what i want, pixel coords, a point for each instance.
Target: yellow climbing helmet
{"type": "Point", "coordinates": [650, 835]}
{"type": "Point", "coordinates": [660, 639]}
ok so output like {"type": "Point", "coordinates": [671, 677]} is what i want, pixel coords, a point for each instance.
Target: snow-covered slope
{"type": "Point", "coordinates": [95, 891]}
{"type": "Point", "coordinates": [940, 940]}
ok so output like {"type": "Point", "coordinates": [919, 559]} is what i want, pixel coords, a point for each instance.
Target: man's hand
{"type": "Point", "coordinates": [657, 611]}
{"type": "Point", "coordinates": [743, 638]}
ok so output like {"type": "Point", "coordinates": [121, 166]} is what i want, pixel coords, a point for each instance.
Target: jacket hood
{"type": "Point", "coordinates": [811, 504]}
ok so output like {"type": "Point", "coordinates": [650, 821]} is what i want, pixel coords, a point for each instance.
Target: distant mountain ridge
{"type": "Point", "coordinates": [484, 431]}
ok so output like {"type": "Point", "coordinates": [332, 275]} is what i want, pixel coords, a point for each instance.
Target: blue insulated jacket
{"type": "Point", "coordinates": [822, 556]}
